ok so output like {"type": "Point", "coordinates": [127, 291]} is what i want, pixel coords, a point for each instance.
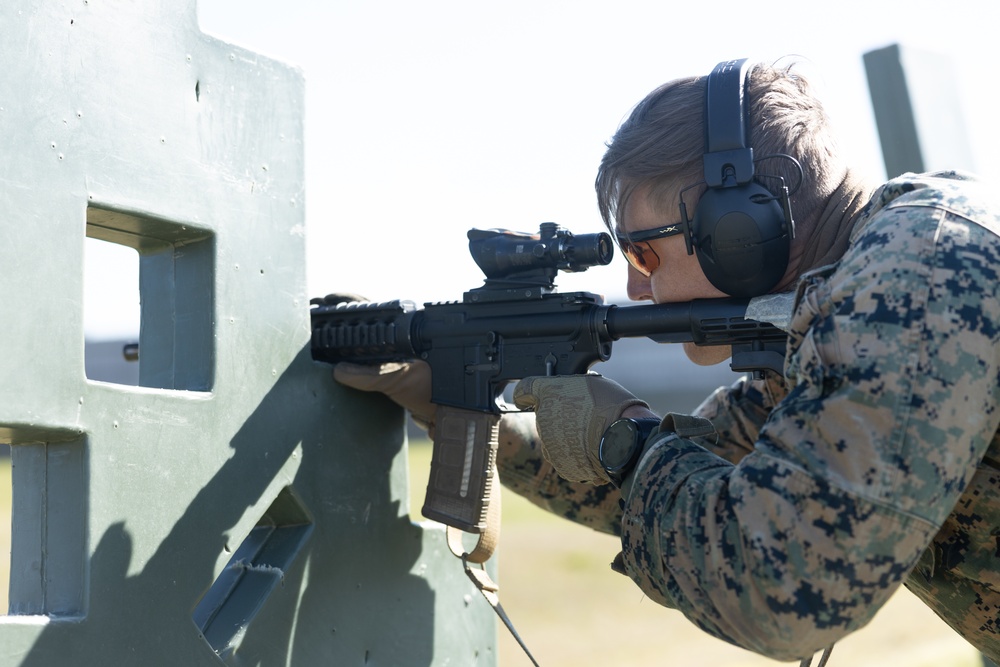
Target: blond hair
{"type": "Point", "coordinates": [662, 142]}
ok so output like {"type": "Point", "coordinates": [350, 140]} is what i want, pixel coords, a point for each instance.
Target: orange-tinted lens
{"type": "Point", "coordinates": [640, 256]}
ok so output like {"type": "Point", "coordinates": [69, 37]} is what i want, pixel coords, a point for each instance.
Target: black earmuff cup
{"type": "Point", "coordinates": [741, 239]}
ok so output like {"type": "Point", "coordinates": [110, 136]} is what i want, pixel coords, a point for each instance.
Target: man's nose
{"type": "Point", "coordinates": [638, 286]}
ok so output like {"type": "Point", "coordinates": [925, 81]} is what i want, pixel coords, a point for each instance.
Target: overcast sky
{"type": "Point", "coordinates": [425, 119]}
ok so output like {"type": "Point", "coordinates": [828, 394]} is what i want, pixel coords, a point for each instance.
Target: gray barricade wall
{"type": "Point", "coordinates": [236, 506]}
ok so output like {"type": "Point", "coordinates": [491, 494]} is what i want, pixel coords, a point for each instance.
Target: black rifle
{"type": "Point", "coordinates": [515, 326]}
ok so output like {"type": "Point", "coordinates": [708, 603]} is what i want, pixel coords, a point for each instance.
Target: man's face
{"type": "Point", "coordinates": [678, 277]}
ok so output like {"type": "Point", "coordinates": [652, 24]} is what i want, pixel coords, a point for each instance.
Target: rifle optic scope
{"type": "Point", "coordinates": [501, 253]}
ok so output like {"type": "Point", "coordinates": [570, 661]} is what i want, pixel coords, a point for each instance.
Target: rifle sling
{"type": "Point", "coordinates": [485, 546]}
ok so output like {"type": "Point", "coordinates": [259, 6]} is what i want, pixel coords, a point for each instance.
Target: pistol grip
{"type": "Point", "coordinates": [462, 468]}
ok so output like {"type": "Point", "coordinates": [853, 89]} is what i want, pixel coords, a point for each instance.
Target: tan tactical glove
{"type": "Point", "coordinates": [406, 383]}
{"type": "Point", "coordinates": [571, 414]}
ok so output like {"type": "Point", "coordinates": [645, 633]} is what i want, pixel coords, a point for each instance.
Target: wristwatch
{"type": "Point", "coordinates": [622, 444]}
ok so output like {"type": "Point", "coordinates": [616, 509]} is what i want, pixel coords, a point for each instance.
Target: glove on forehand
{"type": "Point", "coordinates": [406, 383]}
{"type": "Point", "coordinates": [571, 414]}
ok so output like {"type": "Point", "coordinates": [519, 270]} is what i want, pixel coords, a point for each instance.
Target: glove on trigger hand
{"type": "Point", "coordinates": [571, 414]}
{"type": "Point", "coordinates": [407, 383]}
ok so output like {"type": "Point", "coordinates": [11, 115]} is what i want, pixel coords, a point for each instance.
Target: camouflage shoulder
{"type": "Point", "coordinates": [961, 193]}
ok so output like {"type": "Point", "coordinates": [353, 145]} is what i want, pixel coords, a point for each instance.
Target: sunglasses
{"type": "Point", "coordinates": [637, 250]}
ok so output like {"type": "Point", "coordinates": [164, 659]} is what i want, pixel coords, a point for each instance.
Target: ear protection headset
{"type": "Point", "coordinates": [741, 232]}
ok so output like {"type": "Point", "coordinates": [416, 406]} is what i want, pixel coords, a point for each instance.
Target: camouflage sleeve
{"type": "Point", "coordinates": [738, 412]}
{"type": "Point", "coordinates": [523, 470]}
{"type": "Point", "coordinates": [893, 364]}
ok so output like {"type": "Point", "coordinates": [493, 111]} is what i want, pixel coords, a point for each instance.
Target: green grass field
{"type": "Point", "coordinates": [572, 610]}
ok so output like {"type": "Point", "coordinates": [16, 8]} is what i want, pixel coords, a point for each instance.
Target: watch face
{"type": "Point", "coordinates": [618, 444]}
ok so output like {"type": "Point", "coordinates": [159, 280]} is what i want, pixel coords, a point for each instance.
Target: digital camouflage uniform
{"type": "Point", "coordinates": [877, 465]}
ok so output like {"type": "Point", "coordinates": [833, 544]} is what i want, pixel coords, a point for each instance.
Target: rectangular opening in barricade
{"type": "Point", "coordinates": [257, 566]}
{"type": "Point", "coordinates": [111, 313]}
{"type": "Point", "coordinates": [43, 486]}
{"type": "Point", "coordinates": [170, 295]}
